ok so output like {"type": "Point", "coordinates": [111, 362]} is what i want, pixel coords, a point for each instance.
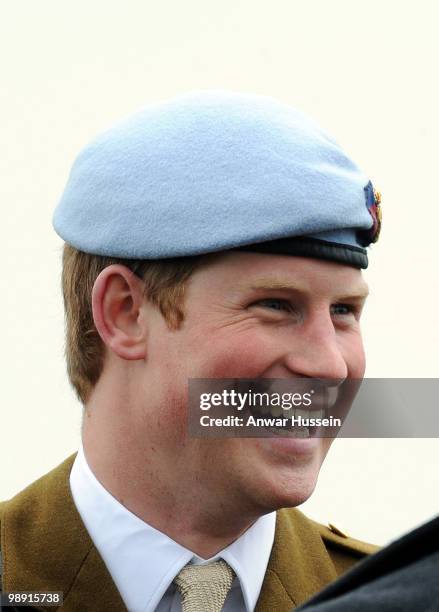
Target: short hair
{"type": "Point", "coordinates": [164, 286]}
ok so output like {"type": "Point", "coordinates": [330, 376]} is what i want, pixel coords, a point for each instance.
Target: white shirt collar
{"type": "Point", "coordinates": [143, 561]}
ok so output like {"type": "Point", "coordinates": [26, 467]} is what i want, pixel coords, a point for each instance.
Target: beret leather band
{"type": "Point", "coordinates": [312, 247]}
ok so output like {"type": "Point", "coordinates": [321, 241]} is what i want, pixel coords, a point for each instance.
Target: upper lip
{"type": "Point", "coordinates": [324, 397]}
{"type": "Point", "coordinates": [326, 400]}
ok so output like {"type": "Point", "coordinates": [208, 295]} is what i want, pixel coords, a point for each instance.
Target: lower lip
{"type": "Point", "coordinates": [292, 446]}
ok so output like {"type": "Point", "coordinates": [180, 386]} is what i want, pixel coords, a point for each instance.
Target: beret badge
{"type": "Point", "coordinates": [373, 204]}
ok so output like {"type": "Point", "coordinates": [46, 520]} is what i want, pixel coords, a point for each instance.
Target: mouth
{"type": "Point", "coordinates": [297, 423]}
{"type": "Point", "coordinates": [270, 408]}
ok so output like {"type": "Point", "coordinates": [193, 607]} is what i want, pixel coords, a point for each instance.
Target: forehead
{"type": "Point", "coordinates": [252, 271]}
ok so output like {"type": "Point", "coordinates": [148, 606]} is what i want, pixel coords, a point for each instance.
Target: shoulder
{"type": "Point", "coordinates": [34, 505]}
{"type": "Point", "coordinates": [30, 520]}
{"type": "Point", "coordinates": [35, 500]}
{"type": "Point", "coordinates": [343, 550]}
{"type": "Point", "coordinates": [335, 538]}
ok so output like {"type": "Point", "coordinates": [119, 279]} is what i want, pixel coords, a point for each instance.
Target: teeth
{"type": "Point", "coordinates": [309, 414]}
{"type": "Point", "coordinates": [276, 411]}
{"type": "Point", "coordinates": [295, 431]}
{"type": "Point", "coordinates": [280, 432]}
{"type": "Point", "coordinates": [299, 432]}
{"type": "Point", "coordinates": [261, 410]}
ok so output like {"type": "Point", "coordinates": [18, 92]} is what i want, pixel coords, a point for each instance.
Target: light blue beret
{"type": "Point", "coordinates": [216, 170]}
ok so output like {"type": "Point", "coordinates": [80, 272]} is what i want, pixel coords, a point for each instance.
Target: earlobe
{"type": "Point", "coordinates": [116, 303]}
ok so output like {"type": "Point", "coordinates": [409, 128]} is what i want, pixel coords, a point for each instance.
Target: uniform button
{"type": "Point", "coordinates": [337, 531]}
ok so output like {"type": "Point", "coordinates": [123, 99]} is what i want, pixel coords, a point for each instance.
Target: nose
{"type": "Point", "coordinates": [315, 350]}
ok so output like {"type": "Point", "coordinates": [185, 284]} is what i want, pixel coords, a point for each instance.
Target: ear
{"type": "Point", "coordinates": [117, 300]}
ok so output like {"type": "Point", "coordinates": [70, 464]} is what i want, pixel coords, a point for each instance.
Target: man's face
{"type": "Point", "coordinates": [250, 315]}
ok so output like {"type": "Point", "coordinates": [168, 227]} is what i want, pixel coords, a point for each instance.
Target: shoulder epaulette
{"type": "Point", "coordinates": [336, 538]}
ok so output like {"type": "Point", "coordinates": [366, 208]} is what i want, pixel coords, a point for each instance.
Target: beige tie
{"type": "Point", "coordinates": [204, 588]}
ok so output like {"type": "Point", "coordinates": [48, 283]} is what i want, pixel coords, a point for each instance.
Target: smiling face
{"type": "Point", "coordinates": [250, 315]}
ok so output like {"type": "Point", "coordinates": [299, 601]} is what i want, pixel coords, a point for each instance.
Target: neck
{"type": "Point", "coordinates": [166, 485]}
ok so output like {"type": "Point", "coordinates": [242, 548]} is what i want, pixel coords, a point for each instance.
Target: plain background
{"type": "Point", "coordinates": [365, 70]}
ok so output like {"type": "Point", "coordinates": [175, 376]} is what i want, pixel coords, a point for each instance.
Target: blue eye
{"type": "Point", "coordinates": [342, 309]}
{"type": "Point", "coordinates": [275, 304]}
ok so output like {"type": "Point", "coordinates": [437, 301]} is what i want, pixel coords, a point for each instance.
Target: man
{"type": "Point", "coordinates": [401, 576]}
{"type": "Point", "coordinates": [218, 235]}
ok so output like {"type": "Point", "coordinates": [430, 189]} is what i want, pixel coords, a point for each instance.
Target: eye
{"type": "Point", "coordinates": [275, 304]}
{"type": "Point", "coordinates": [343, 310]}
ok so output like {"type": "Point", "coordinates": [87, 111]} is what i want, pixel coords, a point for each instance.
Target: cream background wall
{"type": "Point", "coordinates": [367, 71]}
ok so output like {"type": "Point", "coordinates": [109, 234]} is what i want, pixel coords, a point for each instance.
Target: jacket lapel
{"type": "Point", "coordinates": [299, 564]}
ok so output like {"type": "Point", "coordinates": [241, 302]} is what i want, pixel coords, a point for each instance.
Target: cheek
{"type": "Point", "coordinates": [239, 356]}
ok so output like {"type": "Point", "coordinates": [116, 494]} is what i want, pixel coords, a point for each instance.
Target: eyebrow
{"type": "Point", "coordinates": [358, 292]}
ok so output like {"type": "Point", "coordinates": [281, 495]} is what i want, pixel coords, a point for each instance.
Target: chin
{"type": "Point", "coordinates": [297, 499]}
{"type": "Point", "coordinates": [286, 492]}
{"type": "Point", "coordinates": [291, 499]}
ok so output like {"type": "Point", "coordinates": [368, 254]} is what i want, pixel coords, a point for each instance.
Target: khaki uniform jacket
{"type": "Point", "coordinates": [46, 547]}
